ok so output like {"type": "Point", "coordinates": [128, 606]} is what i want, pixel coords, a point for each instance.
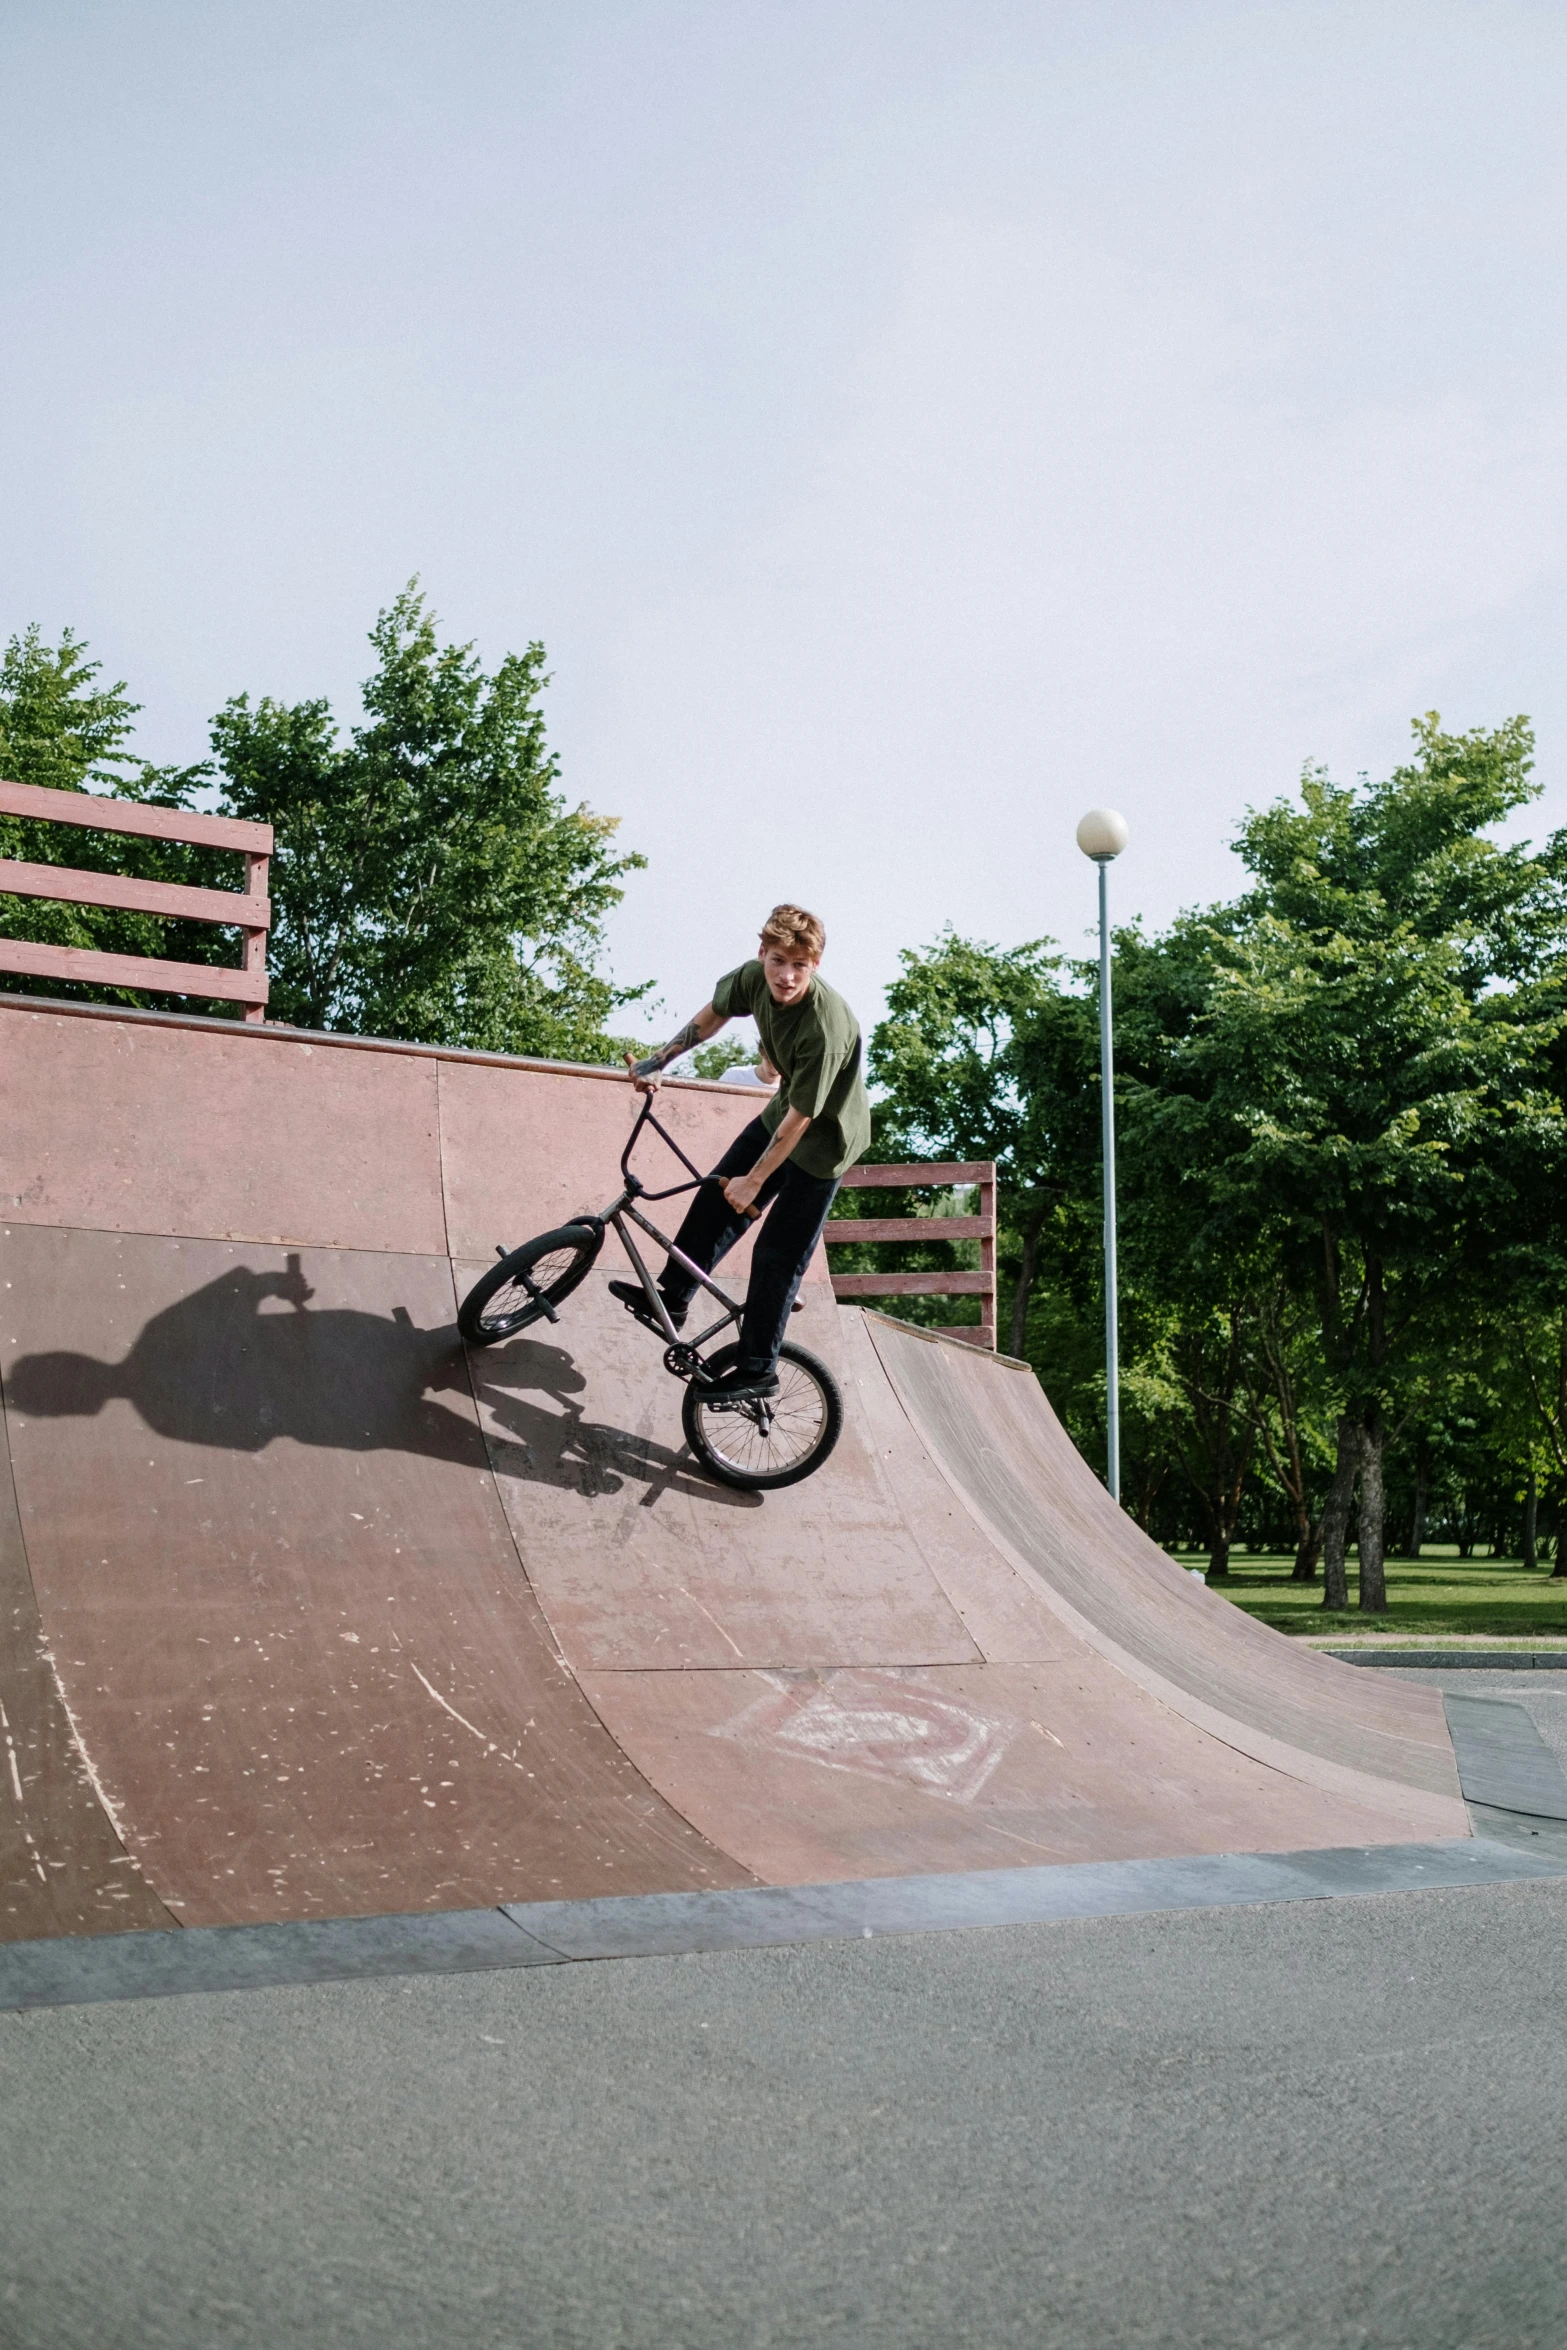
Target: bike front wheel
{"type": "Point", "coordinates": [524, 1286]}
{"type": "Point", "coordinates": [770, 1441]}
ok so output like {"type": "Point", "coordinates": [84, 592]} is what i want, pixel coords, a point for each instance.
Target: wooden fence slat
{"type": "Point", "coordinates": [913, 1176]}
{"type": "Point", "coordinates": [128, 816]}
{"type": "Point", "coordinates": [913, 1284]}
{"type": "Point", "coordinates": [71, 887]}
{"type": "Point", "coordinates": [212, 981]}
{"type": "Point", "coordinates": [841, 1230]}
{"type": "Point", "coordinates": [247, 910]}
{"type": "Point", "coordinates": [846, 1231]}
{"type": "Point", "coordinates": [254, 958]}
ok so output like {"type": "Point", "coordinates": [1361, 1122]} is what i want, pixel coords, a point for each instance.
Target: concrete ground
{"type": "Point", "coordinates": [1543, 1695]}
{"type": "Point", "coordinates": [1327, 2123]}
{"type": "Point", "coordinates": [1279, 2128]}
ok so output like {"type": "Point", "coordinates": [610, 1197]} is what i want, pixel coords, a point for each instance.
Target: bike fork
{"type": "Point", "coordinates": [533, 1290]}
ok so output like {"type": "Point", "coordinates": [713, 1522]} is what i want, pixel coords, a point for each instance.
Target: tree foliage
{"type": "Point", "coordinates": [430, 881]}
{"type": "Point", "coordinates": [1342, 1140]}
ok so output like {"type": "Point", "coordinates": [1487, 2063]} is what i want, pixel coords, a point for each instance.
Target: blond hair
{"type": "Point", "coordinates": [795, 931]}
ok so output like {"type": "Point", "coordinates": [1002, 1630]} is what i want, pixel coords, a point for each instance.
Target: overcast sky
{"type": "Point", "coordinates": [906, 425]}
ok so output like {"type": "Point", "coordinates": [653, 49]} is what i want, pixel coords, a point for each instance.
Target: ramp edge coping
{"type": "Point", "coordinates": [80, 1970]}
{"type": "Point", "coordinates": [940, 1337]}
{"type": "Point", "coordinates": [277, 1032]}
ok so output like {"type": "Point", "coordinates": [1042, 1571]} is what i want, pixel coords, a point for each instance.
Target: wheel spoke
{"type": "Point", "coordinates": [767, 1439]}
{"type": "Point", "coordinates": [529, 1290]}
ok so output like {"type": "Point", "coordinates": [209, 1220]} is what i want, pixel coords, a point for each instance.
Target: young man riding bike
{"type": "Point", "coordinates": [789, 1160]}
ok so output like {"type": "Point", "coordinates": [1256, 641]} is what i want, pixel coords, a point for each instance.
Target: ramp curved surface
{"type": "Point", "coordinates": [307, 1614]}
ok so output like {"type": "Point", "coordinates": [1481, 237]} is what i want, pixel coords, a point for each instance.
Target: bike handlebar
{"type": "Point", "coordinates": [635, 1186]}
{"type": "Point", "coordinates": [646, 1118]}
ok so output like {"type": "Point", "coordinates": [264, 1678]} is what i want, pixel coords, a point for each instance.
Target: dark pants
{"type": "Point", "coordinates": [797, 1206]}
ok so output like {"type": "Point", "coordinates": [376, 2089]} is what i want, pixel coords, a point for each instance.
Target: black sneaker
{"type": "Point", "coordinates": [633, 1297]}
{"type": "Point", "coordinates": [739, 1386]}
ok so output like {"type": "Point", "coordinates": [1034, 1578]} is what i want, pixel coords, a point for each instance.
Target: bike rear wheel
{"type": "Point", "coordinates": [522, 1288]}
{"type": "Point", "coordinates": [773, 1441]}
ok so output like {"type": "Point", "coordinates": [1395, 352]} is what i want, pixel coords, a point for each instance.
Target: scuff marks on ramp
{"type": "Point", "coordinates": [63, 1869]}
{"type": "Point", "coordinates": [882, 1725]}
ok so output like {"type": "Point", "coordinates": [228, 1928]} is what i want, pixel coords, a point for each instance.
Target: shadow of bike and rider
{"type": "Point", "coordinates": [218, 1368]}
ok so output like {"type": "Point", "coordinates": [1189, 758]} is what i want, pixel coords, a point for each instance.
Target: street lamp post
{"type": "Point", "coordinates": [1102, 835]}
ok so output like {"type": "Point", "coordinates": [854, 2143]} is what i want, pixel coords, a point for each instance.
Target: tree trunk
{"type": "Point", "coordinates": [1308, 1536]}
{"type": "Point", "coordinates": [1027, 1268]}
{"type": "Point", "coordinates": [1531, 1519]}
{"type": "Point", "coordinates": [1335, 1515]}
{"type": "Point", "coordinates": [1557, 1540]}
{"type": "Point", "coordinates": [1150, 1474]}
{"type": "Point", "coordinates": [1373, 1514]}
{"type": "Point", "coordinates": [1290, 1469]}
{"type": "Point", "coordinates": [1417, 1516]}
{"type": "Point", "coordinates": [1222, 1435]}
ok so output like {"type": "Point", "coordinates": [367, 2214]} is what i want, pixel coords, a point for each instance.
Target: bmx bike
{"type": "Point", "coordinates": [756, 1442]}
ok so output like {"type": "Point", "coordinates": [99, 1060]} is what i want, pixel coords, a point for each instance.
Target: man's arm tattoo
{"type": "Point", "coordinates": [689, 1035]}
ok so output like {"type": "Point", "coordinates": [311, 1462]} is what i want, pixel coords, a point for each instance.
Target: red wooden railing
{"type": "Point", "coordinates": [842, 1230]}
{"type": "Point", "coordinates": [249, 910]}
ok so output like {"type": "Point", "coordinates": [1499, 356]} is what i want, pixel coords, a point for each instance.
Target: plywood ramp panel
{"type": "Point", "coordinates": [307, 1614]}
{"type": "Point", "coordinates": [992, 1431]}
{"type": "Point", "coordinates": [216, 1131]}
{"type": "Point", "coordinates": [808, 1776]}
{"type": "Point", "coordinates": [640, 1561]}
{"type": "Point", "coordinates": [281, 1594]}
{"type": "Point", "coordinates": [850, 1676]}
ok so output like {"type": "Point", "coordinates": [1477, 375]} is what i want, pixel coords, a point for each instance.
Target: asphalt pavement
{"type": "Point", "coordinates": [1313, 2124]}
{"type": "Point", "coordinates": [1543, 1695]}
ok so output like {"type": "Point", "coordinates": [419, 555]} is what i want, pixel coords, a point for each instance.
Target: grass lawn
{"type": "Point", "coordinates": [1438, 1593]}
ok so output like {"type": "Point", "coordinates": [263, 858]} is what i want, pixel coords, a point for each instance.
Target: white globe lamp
{"type": "Point", "coordinates": [1103, 834]}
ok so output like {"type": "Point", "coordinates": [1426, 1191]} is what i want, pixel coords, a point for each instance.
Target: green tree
{"type": "Point", "coordinates": [59, 728]}
{"type": "Point", "coordinates": [1369, 1057]}
{"type": "Point", "coordinates": [1523, 1282]}
{"type": "Point", "coordinates": [430, 881]}
{"type": "Point", "coordinates": [725, 1052]}
{"type": "Point", "coordinates": [1340, 1108]}
{"type": "Point", "coordinates": [993, 1054]}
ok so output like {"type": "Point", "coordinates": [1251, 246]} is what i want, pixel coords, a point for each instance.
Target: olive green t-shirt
{"type": "Point", "coordinates": [815, 1047]}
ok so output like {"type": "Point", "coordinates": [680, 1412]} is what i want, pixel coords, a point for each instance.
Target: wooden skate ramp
{"type": "Point", "coordinates": [307, 1615]}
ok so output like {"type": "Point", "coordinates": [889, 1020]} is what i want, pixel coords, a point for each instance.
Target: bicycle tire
{"type": "Point", "coordinates": [498, 1305]}
{"type": "Point", "coordinates": [808, 1403]}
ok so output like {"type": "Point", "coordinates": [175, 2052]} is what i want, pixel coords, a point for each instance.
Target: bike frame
{"type": "Point", "coordinates": [620, 1213]}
